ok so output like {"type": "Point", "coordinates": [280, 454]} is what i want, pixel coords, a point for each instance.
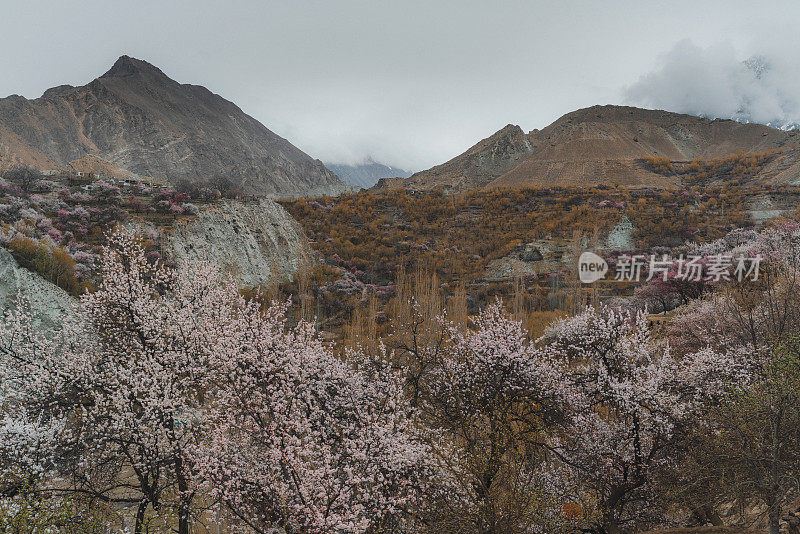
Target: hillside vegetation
{"type": "Point", "coordinates": [740, 168]}
{"type": "Point", "coordinates": [456, 235]}
{"type": "Point", "coordinates": [56, 225]}
{"type": "Point", "coordinates": [197, 406]}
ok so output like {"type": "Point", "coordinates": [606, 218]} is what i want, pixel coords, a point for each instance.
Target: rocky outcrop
{"type": "Point", "coordinates": [136, 119]}
{"type": "Point", "coordinates": [762, 209]}
{"type": "Point", "coordinates": [535, 258]}
{"type": "Point", "coordinates": [621, 236]}
{"type": "Point", "coordinates": [48, 304]}
{"type": "Point", "coordinates": [254, 240]}
{"type": "Point", "coordinates": [528, 252]}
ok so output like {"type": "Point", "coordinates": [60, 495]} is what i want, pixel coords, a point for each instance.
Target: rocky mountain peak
{"type": "Point", "coordinates": [130, 66]}
{"type": "Point", "coordinates": [136, 120]}
{"type": "Point", "coordinates": [509, 130]}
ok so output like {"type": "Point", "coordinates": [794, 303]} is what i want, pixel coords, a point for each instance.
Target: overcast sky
{"type": "Point", "coordinates": [413, 83]}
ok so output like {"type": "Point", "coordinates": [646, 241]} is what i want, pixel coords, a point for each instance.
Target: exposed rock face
{"type": "Point", "coordinates": [528, 252]}
{"type": "Point", "coordinates": [254, 240]}
{"type": "Point", "coordinates": [49, 304]}
{"type": "Point", "coordinates": [388, 184]}
{"type": "Point", "coordinates": [535, 258]}
{"type": "Point", "coordinates": [546, 256]}
{"type": "Point", "coordinates": [604, 144]}
{"type": "Point", "coordinates": [136, 119]}
{"type": "Point", "coordinates": [762, 209]}
{"type": "Point", "coordinates": [621, 236]}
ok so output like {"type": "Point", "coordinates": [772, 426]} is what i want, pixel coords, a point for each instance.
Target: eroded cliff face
{"type": "Point", "coordinates": [253, 240]}
{"type": "Point", "coordinates": [49, 304]}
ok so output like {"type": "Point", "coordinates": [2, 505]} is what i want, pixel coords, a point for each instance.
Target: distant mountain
{"type": "Point", "coordinates": [135, 119]}
{"type": "Point", "coordinates": [605, 144]}
{"type": "Point", "coordinates": [366, 174]}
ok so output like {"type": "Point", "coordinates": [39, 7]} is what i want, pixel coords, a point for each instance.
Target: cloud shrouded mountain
{"type": "Point", "coordinates": [366, 174]}
{"type": "Point", "coordinates": [135, 119]}
{"type": "Point", "coordinates": [715, 82]}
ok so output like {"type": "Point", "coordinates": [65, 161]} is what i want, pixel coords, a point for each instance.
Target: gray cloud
{"type": "Point", "coordinates": [410, 83]}
{"type": "Point", "coordinates": [758, 84]}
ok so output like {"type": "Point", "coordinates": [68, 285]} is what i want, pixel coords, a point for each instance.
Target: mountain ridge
{"type": "Point", "coordinates": [605, 144]}
{"type": "Point", "coordinates": [136, 118]}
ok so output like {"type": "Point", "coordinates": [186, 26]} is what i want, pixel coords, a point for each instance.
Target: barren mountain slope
{"type": "Point", "coordinates": [602, 144]}
{"type": "Point", "coordinates": [482, 163]}
{"type": "Point", "coordinates": [605, 144]}
{"type": "Point", "coordinates": [136, 118]}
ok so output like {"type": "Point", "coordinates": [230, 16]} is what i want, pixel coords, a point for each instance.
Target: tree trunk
{"type": "Point", "coordinates": [775, 507]}
{"type": "Point", "coordinates": [706, 514]}
{"type": "Point", "coordinates": [140, 511]}
{"type": "Point", "coordinates": [488, 521]}
{"type": "Point", "coordinates": [185, 498]}
{"type": "Point", "coordinates": [611, 527]}
{"type": "Point", "coordinates": [774, 520]}
{"type": "Point", "coordinates": [610, 519]}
